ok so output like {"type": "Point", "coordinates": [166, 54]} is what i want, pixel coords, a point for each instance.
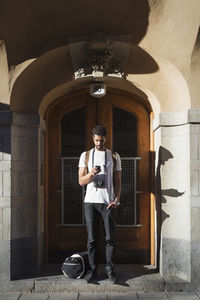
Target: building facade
{"type": "Point", "coordinates": [52, 56]}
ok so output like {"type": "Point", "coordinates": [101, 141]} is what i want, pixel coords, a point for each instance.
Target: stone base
{"type": "Point", "coordinates": [131, 278]}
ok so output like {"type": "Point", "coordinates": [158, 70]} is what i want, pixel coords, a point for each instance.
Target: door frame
{"type": "Point", "coordinates": [77, 100]}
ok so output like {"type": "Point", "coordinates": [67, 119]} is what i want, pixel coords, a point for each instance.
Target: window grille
{"type": "Point", "coordinates": [72, 194]}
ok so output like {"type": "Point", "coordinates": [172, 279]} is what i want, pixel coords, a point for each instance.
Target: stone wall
{"type": "Point", "coordinates": [177, 144]}
{"type": "Point", "coordinates": [195, 195]}
{"type": "Point", "coordinates": [5, 196]}
{"type": "Point", "coordinates": [24, 217]}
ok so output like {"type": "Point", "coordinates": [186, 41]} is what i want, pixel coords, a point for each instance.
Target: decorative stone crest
{"type": "Point", "coordinates": [99, 56]}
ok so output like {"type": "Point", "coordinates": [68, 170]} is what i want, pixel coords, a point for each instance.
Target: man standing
{"type": "Point", "coordinates": [100, 170]}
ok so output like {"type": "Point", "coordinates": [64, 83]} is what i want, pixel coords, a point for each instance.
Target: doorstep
{"type": "Point", "coordinates": [131, 278]}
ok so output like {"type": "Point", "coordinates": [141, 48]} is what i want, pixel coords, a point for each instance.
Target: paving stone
{"type": "Point", "coordinates": [34, 296]}
{"type": "Point", "coordinates": [152, 296]}
{"type": "Point", "coordinates": [9, 296]}
{"type": "Point", "coordinates": [63, 296]}
{"type": "Point", "coordinates": [92, 296]}
{"type": "Point", "coordinates": [132, 296]}
{"type": "Point", "coordinates": [184, 296]}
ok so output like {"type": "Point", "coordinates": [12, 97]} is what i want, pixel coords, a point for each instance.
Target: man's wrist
{"type": "Point", "coordinates": [117, 202]}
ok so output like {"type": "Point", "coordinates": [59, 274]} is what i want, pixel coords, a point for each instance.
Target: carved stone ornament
{"type": "Point", "coordinates": [99, 55]}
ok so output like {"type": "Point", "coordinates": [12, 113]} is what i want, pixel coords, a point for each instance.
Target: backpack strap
{"type": "Point", "coordinates": [114, 157]}
{"type": "Point", "coordinates": [87, 154]}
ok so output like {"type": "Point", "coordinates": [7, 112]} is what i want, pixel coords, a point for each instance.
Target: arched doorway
{"type": "Point", "coordinates": [70, 120]}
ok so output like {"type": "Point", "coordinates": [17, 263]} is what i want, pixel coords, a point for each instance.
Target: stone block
{"type": "Point", "coordinates": [184, 296]}
{"type": "Point", "coordinates": [195, 224]}
{"type": "Point", "coordinates": [24, 222]}
{"type": "Point", "coordinates": [179, 166]}
{"type": "Point", "coordinates": [173, 118]}
{"type": "Point", "coordinates": [194, 183]}
{"type": "Point", "coordinates": [5, 131]}
{"type": "Point", "coordinates": [1, 224]}
{"type": "Point", "coordinates": [5, 258]}
{"type": "Point", "coordinates": [6, 184]}
{"type": "Point", "coordinates": [194, 146]}
{"type": "Point", "coordinates": [89, 296]}
{"type": "Point", "coordinates": [195, 263]}
{"type": "Point", "coordinates": [65, 296]}
{"type": "Point", "coordinates": [194, 115]}
{"type": "Point", "coordinates": [194, 128]}
{"type": "Point", "coordinates": [5, 202]}
{"type": "Point", "coordinates": [9, 296]}
{"type": "Point", "coordinates": [24, 148]}
{"type": "Point", "coordinates": [24, 184]}
{"type": "Point", "coordinates": [33, 296]}
{"type": "Point", "coordinates": [195, 201]}
{"type": "Point", "coordinates": [6, 149]}
{"type": "Point", "coordinates": [24, 131]}
{"type": "Point", "coordinates": [151, 296]}
{"type": "Point", "coordinates": [1, 147]}
{"type": "Point", "coordinates": [23, 257]}
{"type": "Point", "coordinates": [177, 182]}
{"type": "Point", "coordinates": [174, 131]}
{"type": "Point", "coordinates": [5, 166]}
{"type": "Point", "coordinates": [22, 201]}
{"type": "Point", "coordinates": [6, 224]}
{"type": "Point", "coordinates": [178, 146]}
{"type": "Point", "coordinates": [176, 222]}
{"type": "Point", "coordinates": [24, 166]}
{"type": "Point", "coordinates": [195, 165]}
{"type": "Point", "coordinates": [26, 120]}
{"type": "Point", "coordinates": [5, 117]}
{"type": "Point", "coordinates": [175, 259]}
{"type": "Point", "coordinates": [1, 183]}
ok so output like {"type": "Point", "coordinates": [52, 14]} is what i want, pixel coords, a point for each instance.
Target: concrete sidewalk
{"type": "Point", "coordinates": [134, 282]}
{"type": "Point", "coordinates": [99, 296]}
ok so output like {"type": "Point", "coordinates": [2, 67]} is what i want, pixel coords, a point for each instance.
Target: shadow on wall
{"type": "Point", "coordinates": [164, 156]}
{"type": "Point", "coordinates": [29, 37]}
{"type": "Point", "coordinates": [5, 130]}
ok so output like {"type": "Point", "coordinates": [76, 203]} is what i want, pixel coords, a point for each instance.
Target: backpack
{"type": "Point", "coordinates": [114, 157]}
{"type": "Point", "coordinates": [76, 265]}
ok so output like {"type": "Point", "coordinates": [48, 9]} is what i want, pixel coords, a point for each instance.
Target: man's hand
{"type": "Point", "coordinates": [84, 177]}
{"type": "Point", "coordinates": [95, 171]}
{"type": "Point", "coordinates": [113, 204]}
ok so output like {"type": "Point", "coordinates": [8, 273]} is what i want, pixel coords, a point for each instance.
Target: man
{"type": "Point", "coordinates": [102, 175]}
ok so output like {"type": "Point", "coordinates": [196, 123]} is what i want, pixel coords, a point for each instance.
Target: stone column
{"type": "Point", "coordinates": [5, 197]}
{"type": "Point", "coordinates": [24, 217]}
{"type": "Point", "coordinates": [172, 140]}
{"type": "Point", "coordinates": [41, 183]}
{"type": "Point", "coordinates": [194, 118]}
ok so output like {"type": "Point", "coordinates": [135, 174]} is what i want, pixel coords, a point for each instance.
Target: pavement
{"type": "Point", "coordinates": [99, 296]}
{"type": "Point", "coordinates": [135, 282]}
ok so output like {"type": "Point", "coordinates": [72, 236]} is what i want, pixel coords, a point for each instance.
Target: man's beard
{"type": "Point", "coordinates": [100, 147]}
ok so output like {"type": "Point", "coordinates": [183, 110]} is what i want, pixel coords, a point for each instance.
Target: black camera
{"type": "Point", "coordinates": [98, 183]}
{"type": "Point", "coordinates": [98, 168]}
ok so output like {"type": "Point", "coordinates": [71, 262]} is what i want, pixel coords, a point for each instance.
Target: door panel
{"type": "Point", "coordinates": [69, 124]}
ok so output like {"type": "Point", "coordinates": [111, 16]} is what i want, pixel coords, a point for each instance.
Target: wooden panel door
{"type": "Point", "coordinates": [132, 242]}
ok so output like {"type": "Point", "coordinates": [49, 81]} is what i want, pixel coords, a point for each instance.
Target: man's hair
{"type": "Point", "coordinates": [99, 130]}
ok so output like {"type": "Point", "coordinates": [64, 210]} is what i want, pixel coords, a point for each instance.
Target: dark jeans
{"type": "Point", "coordinates": [93, 211]}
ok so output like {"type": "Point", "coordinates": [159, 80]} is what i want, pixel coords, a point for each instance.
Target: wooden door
{"type": "Point", "coordinates": [69, 124]}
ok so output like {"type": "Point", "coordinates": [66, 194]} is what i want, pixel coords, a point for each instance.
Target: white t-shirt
{"type": "Point", "coordinates": [106, 193]}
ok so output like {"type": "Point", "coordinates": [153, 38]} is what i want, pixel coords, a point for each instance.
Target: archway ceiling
{"type": "Point", "coordinates": [32, 27]}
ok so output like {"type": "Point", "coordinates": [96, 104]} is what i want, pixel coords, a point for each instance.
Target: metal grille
{"type": "Point", "coordinates": [72, 194]}
{"type": "Point", "coordinates": [127, 211]}
{"type": "Point", "coordinates": [72, 213]}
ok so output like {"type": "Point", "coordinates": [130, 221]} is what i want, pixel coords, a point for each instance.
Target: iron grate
{"type": "Point", "coordinates": [73, 194]}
